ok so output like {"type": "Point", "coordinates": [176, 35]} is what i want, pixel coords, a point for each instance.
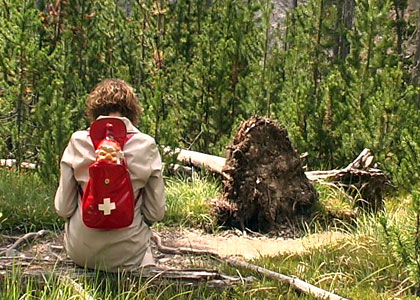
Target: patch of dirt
{"type": "Point", "coordinates": [234, 243]}
{"type": "Point", "coordinates": [49, 250]}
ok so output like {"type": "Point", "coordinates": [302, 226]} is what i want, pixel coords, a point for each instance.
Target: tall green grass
{"type": "Point", "coordinates": [26, 203]}
{"type": "Point", "coordinates": [115, 287]}
{"type": "Point", "coordinates": [334, 201]}
{"type": "Point", "coordinates": [378, 259]}
{"type": "Point", "coordinates": [188, 201]}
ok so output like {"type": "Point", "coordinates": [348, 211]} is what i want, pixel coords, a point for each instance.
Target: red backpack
{"type": "Point", "coordinates": [108, 199]}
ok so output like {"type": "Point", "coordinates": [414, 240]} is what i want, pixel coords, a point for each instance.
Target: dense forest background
{"type": "Point", "coordinates": [340, 75]}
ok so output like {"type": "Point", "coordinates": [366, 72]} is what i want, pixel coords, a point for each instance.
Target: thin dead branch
{"type": "Point", "coordinates": [181, 250]}
{"type": "Point", "coordinates": [296, 283]}
{"type": "Point", "coordinates": [70, 275]}
{"type": "Point", "coordinates": [25, 238]}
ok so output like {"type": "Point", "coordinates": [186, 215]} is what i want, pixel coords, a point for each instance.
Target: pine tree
{"type": "Point", "coordinates": [20, 67]}
{"type": "Point", "coordinates": [334, 78]}
{"type": "Point", "coordinates": [344, 23]}
{"type": "Point", "coordinates": [417, 58]}
{"type": "Point", "coordinates": [399, 7]}
{"type": "Point", "coordinates": [214, 45]}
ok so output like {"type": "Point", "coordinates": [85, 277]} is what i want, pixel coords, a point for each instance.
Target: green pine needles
{"type": "Point", "coordinates": [336, 74]}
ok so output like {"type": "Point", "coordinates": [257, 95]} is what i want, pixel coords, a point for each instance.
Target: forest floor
{"type": "Point", "coordinates": [235, 243]}
{"type": "Point", "coordinates": [225, 243]}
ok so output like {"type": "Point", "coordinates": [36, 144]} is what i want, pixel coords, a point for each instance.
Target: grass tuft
{"type": "Point", "coordinates": [26, 203]}
{"type": "Point", "coordinates": [188, 201]}
{"type": "Point", "coordinates": [334, 202]}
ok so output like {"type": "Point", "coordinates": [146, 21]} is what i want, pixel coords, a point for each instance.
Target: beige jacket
{"type": "Point", "coordinates": [115, 249]}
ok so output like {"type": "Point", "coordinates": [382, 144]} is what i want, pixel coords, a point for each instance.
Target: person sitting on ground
{"type": "Point", "coordinates": [126, 248]}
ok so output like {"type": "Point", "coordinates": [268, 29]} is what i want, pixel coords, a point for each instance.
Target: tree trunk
{"type": "Point", "coordinates": [399, 20]}
{"type": "Point", "coordinates": [417, 56]}
{"type": "Point", "coordinates": [213, 163]}
{"type": "Point", "coordinates": [293, 6]}
{"type": "Point", "coordinates": [316, 73]}
{"type": "Point", "coordinates": [345, 15]}
{"type": "Point", "coordinates": [348, 15]}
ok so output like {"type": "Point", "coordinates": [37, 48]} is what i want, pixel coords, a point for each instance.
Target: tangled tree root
{"type": "Point", "coordinates": [266, 184]}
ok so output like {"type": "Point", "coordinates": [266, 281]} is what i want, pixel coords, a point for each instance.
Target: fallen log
{"type": "Point", "coordinates": [180, 250]}
{"type": "Point", "coordinates": [213, 163]}
{"type": "Point", "coordinates": [361, 165]}
{"type": "Point", "coordinates": [38, 272]}
{"type": "Point", "coordinates": [366, 182]}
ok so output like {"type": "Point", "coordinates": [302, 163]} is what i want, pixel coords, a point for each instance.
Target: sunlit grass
{"type": "Point", "coordinates": [356, 269]}
{"type": "Point", "coordinates": [27, 204]}
{"type": "Point", "coordinates": [367, 264]}
{"type": "Point", "coordinates": [188, 201]}
{"type": "Point", "coordinates": [334, 201]}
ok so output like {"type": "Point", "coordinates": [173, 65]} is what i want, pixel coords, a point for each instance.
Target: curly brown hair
{"type": "Point", "coordinates": [112, 96]}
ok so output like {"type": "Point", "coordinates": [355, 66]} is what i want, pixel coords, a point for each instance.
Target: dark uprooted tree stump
{"type": "Point", "coordinates": [265, 183]}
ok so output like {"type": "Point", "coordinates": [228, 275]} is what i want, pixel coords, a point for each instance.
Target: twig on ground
{"type": "Point", "coordinates": [296, 283]}
{"type": "Point", "coordinates": [181, 250]}
{"type": "Point", "coordinates": [8, 237]}
{"type": "Point", "coordinates": [27, 258]}
{"type": "Point", "coordinates": [190, 277]}
{"type": "Point", "coordinates": [25, 238]}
